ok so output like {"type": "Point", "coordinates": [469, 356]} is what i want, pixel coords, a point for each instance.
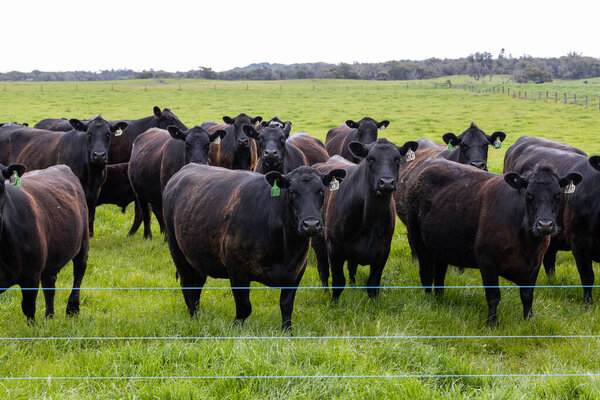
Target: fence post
{"type": "Point", "coordinates": [313, 88]}
{"type": "Point", "coordinates": [539, 95]}
{"type": "Point", "coordinates": [565, 98]}
{"type": "Point", "coordinates": [41, 88]}
{"type": "Point", "coordinates": [520, 94]}
{"type": "Point", "coordinates": [586, 102]}
{"type": "Point", "coordinates": [75, 87]}
{"type": "Point", "coordinates": [215, 87]}
{"type": "Point", "coordinates": [575, 99]}
{"type": "Point", "coordinates": [546, 95]}
{"type": "Point", "coordinates": [556, 97]}
{"type": "Point", "coordinates": [112, 86]}
{"type": "Point", "coordinates": [145, 87]}
{"type": "Point", "coordinates": [246, 87]}
{"type": "Point", "coordinates": [280, 88]}
{"type": "Point", "coordinates": [179, 86]}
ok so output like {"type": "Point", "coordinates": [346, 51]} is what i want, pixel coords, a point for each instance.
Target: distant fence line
{"type": "Point", "coordinates": [532, 95]}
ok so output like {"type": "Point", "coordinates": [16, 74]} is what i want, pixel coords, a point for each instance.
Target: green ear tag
{"type": "Point", "coordinates": [497, 143]}
{"type": "Point", "coordinates": [275, 189]}
{"type": "Point", "coordinates": [450, 147]}
{"type": "Point", "coordinates": [15, 180]}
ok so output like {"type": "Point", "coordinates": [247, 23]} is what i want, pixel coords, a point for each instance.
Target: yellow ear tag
{"type": "Point", "coordinates": [334, 184]}
{"type": "Point", "coordinates": [410, 155]}
{"type": "Point", "coordinates": [570, 188]}
{"type": "Point", "coordinates": [497, 143]}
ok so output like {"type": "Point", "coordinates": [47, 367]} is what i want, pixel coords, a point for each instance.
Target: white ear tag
{"type": "Point", "coordinates": [410, 155]}
{"type": "Point", "coordinates": [497, 143]}
{"type": "Point", "coordinates": [217, 140]}
{"type": "Point", "coordinates": [382, 127]}
{"type": "Point", "coordinates": [119, 132]}
{"type": "Point", "coordinates": [334, 184]}
{"type": "Point", "coordinates": [570, 188]}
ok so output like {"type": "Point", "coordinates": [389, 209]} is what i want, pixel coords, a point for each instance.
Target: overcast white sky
{"type": "Point", "coordinates": [177, 35]}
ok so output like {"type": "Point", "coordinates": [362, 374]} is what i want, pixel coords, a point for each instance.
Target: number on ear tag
{"type": "Point", "coordinates": [275, 189]}
{"type": "Point", "coordinates": [450, 147]}
{"type": "Point", "coordinates": [15, 180]}
{"type": "Point", "coordinates": [410, 155]}
{"type": "Point", "coordinates": [119, 132]}
{"type": "Point", "coordinates": [334, 184]}
{"type": "Point", "coordinates": [497, 143]}
{"type": "Point", "coordinates": [570, 188]}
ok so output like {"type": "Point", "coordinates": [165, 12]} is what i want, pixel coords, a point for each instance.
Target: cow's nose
{"type": "Point", "coordinates": [546, 226]}
{"type": "Point", "coordinates": [311, 226]}
{"type": "Point", "coordinates": [479, 164]}
{"type": "Point", "coordinates": [271, 153]}
{"type": "Point", "coordinates": [99, 155]}
{"type": "Point", "coordinates": [243, 142]}
{"type": "Point", "coordinates": [386, 184]}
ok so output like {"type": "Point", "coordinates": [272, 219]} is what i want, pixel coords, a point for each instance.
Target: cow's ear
{"type": "Point", "coordinates": [273, 176]}
{"type": "Point", "coordinates": [383, 124]}
{"type": "Point", "coordinates": [574, 177]}
{"type": "Point", "coordinates": [228, 120]}
{"type": "Point", "coordinates": [595, 162]}
{"type": "Point", "coordinates": [515, 180]}
{"type": "Point", "coordinates": [8, 171]}
{"type": "Point", "coordinates": [497, 135]}
{"type": "Point", "coordinates": [351, 124]}
{"type": "Point", "coordinates": [25, 124]}
{"type": "Point", "coordinates": [250, 131]}
{"type": "Point", "coordinates": [338, 174]}
{"type": "Point", "coordinates": [287, 128]}
{"type": "Point", "coordinates": [265, 123]}
{"type": "Point", "coordinates": [176, 133]}
{"type": "Point", "coordinates": [451, 138]}
{"type": "Point", "coordinates": [220, 134]}
{"type": "Point", "coordinates": [256, 120]}
{"type": "Point", "coordinates": [121, 125]}
{"type": "Point", "coordinates": [157, 111]}
{"type": "Point", "coordinates": [358, 149]}
{"type": "Point", "coordinates": [410, 145]}
{"type": "Point", "coordinates": [78, 125]}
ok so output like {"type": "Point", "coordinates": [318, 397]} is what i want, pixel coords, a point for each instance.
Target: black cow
{"type": "Point", "coordinates": [273, 149]}
{"type": "Point", "coordinates": [120, 146]}
{"type": "Point", "coordinates": [474, 219]}
{"type": "Point", "coordinates": [236, 150]}
{"type": "Point", "coordinates": [360, 216]}
{"type": "Point", "coordinates": [244, 227]}
{"type": "Point", "coordinates": [157, 155]}
{"type": "Point", "coordinates": [44, 226]}
{"type": "Point", "coordinates": [117, 190]}
{"type": "Point", "coordinates": [471, 146]}
{"type": "Point", "coordinates": [313, 149]}
{"type": "Point", "coordinates": [364, 131]}
{"type": "Point", "coordinates": [14, 123]}
{"type": "Point", "coordinates": [579, 224]}
{"type": "Point", "coordinates": [523, 142]}
{"type": "Point", "coordinates": [84, 150]}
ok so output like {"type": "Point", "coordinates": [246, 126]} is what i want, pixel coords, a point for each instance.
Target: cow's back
{"type": "Point", "coordinates": [336, 139]}
{"type": "Point", "coordinates": [145, 162]}
{"type": "Point", "coordinates": [313, 149]}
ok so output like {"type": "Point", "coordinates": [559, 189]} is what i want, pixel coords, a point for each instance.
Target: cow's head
{"type": "Point", "coordinates": [303, 191]}
{"type": "Point", "coordinates": [241, 139]}
{"type": "Point", "coordinates": [166, 118]}
{"type": "Point", "coordinates": [543, 190]}
{"type": "Point", "coordinates": [270, 143]}
{"type": "Point", "coordinates": [197, 142]}
{"type": "Point", "coordinates": [98, 132]}
{"type": "Point", "coordinates": [380, 161]}
{"type": "Point", "coordinates": [473, 144]}
{"type": "Point", "coordinates": [7, 173]}
{"type": "Point", "coordinates": [366, 129]}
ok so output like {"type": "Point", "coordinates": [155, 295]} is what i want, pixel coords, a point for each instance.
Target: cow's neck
{"type": "Point", "coordinates": [283, 229]}
{"type": "Point", "coordinates": [356, 191]}
{"type": "Point", "coordinates": [242, 159]}
{"type": "Point", "coordinates": [143, 124]}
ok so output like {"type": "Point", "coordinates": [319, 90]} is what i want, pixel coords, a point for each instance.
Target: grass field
{"type": "Point", "coordinates": [313, 106]}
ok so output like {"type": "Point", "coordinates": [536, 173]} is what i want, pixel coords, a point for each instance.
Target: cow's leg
{"type": "Point", "coordinates": [79, 267]}
{"type": "Point", "coordinates": [48, 285]}
{"type": "Point", "coordinates": [241, 295]}
{"type": "Point", "coordinates": [352, 267]}
{"type": "Point", "coordinates": [550, 260]}
{"type": "Point", "coordinates": [583, 260]}
{"type": "Point", "coordinates": [286, 304]}
{"type": "Point", "coordinates": [374, 281]}
{"type": "Point", "coordinates": [526, 300]}
{"type": "Point", "coordinates": [137, 219]}
{"type": "Point", "coordinates": [426, 270]}
{"type": "Point", "coordinates": [91, 217]}
{"type": "Point", "coordinates": [146, 216]}
{"type": "Point", "coordinates": [320, 248]}
{"type": "Point", "coordinates": [489, 277]}
{"type": "Point", "coordinates": [439, 276]}
{"type": "Point", "coordinates": [338, 280]}
{"type": "Point", "coordinates": [190, 280]}
{"type": "Point", "coordinates": [158, 212]}
{"type": "Point", "coordinates": [29, 296]}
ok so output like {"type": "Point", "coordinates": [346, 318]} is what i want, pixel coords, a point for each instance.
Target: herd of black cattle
{"type": "Point", "coordinates": [244, 200]}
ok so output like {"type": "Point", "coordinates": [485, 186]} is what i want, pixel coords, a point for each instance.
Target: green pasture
{"type": "Point", "coordinates": [415, 110]}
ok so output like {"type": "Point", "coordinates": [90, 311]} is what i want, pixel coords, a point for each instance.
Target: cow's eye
{"type": "Point", "coordinates": [529, 196]}
{"type": "Point", "coordinates": [370, 159]}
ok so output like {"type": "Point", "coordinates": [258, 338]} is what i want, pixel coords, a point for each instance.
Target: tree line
{"type": "Point", "coordinates": [480, 66]}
